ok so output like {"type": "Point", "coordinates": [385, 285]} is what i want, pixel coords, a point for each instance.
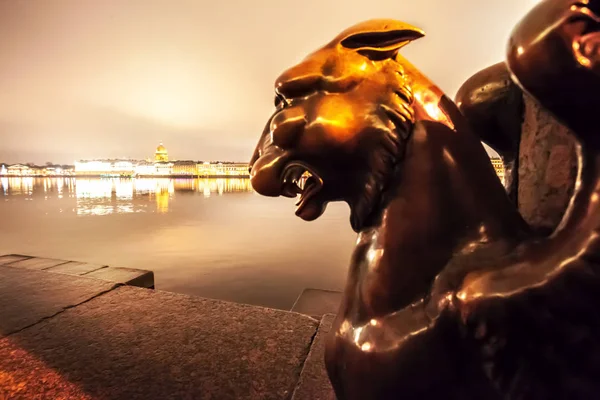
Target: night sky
{"type": "Point", "coordinates": [112, 78]}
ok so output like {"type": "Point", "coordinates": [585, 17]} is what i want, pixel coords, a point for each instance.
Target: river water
{"type": "Point", "coordinates": [207, 237]}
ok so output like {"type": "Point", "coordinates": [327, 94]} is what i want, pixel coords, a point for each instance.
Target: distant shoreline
{"type": "Point", "coordinates": [133, 177]}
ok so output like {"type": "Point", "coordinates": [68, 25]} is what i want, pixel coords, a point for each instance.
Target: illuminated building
{"type": "Point", "coordinates": [203, 169]}
{"type": "Point", "coordinates": [184, 168]}
{"type": "Point", "coordinates": [19, 170]}
{"type": "Point", "coordinates": [105, 167]}
{"type": "Point", "coordinates": [498, 165]}
{"type": "Point", "coordinates": [161, 154]}
{"type": "Point", "coordinates": [35, 171]}
{"type": "Point", "coordinates": [222, 169]}
{"type": "Point", "coordinates": [58, 170]}
{"type": "Point", "coordinates": [145, 168]}
{"type": "Point", "coordinates": [67, 170]}
{"type": "Point", "coordinates": [160, 166]}
{"type": "Point", "coordinates": [92, 167]}
{"type": "Point", "coordinates": [164, 168]}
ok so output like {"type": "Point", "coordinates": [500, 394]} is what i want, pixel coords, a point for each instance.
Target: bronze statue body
{"type": "Point", "coordinates": [448, 292]}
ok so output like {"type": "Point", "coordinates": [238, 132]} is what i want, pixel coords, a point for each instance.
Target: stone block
{"type": "Point", "coordinates": [28, 296]}
{"type": "Point", "coordinates": [75, 268]}
{"type": "Point", "coordinates": [317, 302]}
{"type": "Point", "coordinates": [11, 258]}
{"type": "Point", "coordinates": [547, 168]}
{"type": "Point", "coordinates": [127, 276]}
{"type": "Point", "coordinates": [37, 263]}
{"type": "Point", "coordinates": [134, 343]}
{"type": "Point", "coordinates": [314, 383]}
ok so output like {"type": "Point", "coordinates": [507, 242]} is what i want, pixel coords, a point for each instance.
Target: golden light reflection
{"type": "Point", "coordinates": [335, 112]}
{"type": "Point", "coordinates": [448, 157]}
{"type": "Point", "coordinates": [583, 60]}
{"type": "Point", "coordinates": [18, 186]}
{"type": "Point", "coordinates": [23, 375]}
{"type": "Point", "coordinates": [208, 187]}
{"type": "Point", "coordinates": [429, 100]}
{"type": "Point", "coordinates": [97, 196]}
{"type": "Point", "coordinates": [163, 190]}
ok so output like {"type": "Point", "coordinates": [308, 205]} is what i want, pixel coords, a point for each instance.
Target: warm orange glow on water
{"type": "Point", "coordinates": [107, 196]}
{"type": "Point", "coordinates": [207, 237]}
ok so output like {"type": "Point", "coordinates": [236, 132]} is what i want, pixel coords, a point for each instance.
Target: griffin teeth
{"type": "Point", "coordinates": [301, 180]}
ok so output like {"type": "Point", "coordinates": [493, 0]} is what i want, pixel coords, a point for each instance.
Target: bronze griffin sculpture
{"type": "Point", "coordinates": [449, 292]}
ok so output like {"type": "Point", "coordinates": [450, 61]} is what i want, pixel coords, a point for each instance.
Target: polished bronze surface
{"type": "Point", "coordinates": [448, 293]}
{"type": "Point", "coordinates": [494, 106]}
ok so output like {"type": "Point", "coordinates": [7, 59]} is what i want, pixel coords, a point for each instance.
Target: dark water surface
{"type": "Point", "coordinates": [207, 237]}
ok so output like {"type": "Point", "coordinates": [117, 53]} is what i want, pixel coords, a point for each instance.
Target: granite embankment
{"type": "Point", "coordinates": [74, 330]}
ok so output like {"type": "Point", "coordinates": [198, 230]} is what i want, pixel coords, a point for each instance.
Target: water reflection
{"type": "Point", "coordinates": [109, 196]}
{"type": "Point", "coordinates": [17, 186]}
{"type": "Point", "coordinates": [204, 237]}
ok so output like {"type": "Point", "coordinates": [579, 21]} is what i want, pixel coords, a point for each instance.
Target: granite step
{"type": "Point", "coordinates": [126, 276]}
{"type": "Point", "coordinates": [29, 296]}
{"type": "Point", "coordinates": [314, 383]}
{"type": "Point", "coordinates": [66, 336]}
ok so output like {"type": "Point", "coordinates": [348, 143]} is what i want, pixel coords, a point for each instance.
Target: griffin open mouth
{"type": "Point", "coordinates": [297, 179]}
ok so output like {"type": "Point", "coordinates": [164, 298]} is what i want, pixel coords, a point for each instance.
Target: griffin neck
{"type": "Point", "coordinates": [445, 202]}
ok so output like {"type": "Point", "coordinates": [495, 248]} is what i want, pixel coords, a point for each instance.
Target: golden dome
{"type": "Point", "coordinates": [161, 154]}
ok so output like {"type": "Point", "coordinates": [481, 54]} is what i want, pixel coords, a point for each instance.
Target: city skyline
{"type": "Point", "coordinates": [158, 165]}
{"type": "Point", "coordinates": [151, 155]}
{"type": "Point", "coordinates": [83, 81]}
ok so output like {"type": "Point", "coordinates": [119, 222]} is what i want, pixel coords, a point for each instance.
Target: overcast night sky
{"type": "Point", "coordinates": [112, 78]}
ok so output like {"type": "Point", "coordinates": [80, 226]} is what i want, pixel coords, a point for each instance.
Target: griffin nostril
{"type": "Point", "coordinates": [286, 127]}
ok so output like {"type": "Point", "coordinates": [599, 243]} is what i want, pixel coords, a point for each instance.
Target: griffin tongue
{"type": "Point", "coordinates": [309, 211]}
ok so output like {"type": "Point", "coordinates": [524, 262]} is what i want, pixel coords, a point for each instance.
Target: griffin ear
{"type": "Point", "coordinates": [379, 38]}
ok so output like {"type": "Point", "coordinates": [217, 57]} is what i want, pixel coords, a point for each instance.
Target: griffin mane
{"type": "Point", "coordinates": [385, 161]}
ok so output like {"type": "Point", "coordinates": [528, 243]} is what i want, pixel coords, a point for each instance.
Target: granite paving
{"type": "Point", "coordinates": [28, 296]}
{"type": "Point", "coordinates": [314, 383]}
{"type": "Point", "coordinates": [11, 258]}
{"type": "Point", "coordinates": [75, 268]}
{"type": "Point", "coordinates": [37, 263]}
{"type": "Point", "coordinates": [134, 343]}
